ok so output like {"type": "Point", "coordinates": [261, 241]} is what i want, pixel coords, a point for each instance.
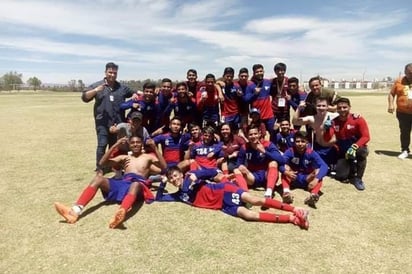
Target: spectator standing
{"type": "Point", "coordinates": [402, 91]}
{"type": "Point", "coordinates": [108, 95]}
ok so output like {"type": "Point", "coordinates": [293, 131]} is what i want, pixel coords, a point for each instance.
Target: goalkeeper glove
{"type": "Point", "coordinates": [351, 152]}
{"type": "Point", "coordinates": [328, 123]}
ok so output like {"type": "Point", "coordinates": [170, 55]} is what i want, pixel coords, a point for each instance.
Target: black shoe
{"type": "Point", "coordinates": [357, 182]}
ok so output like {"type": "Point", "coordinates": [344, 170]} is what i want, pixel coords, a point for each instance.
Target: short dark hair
{"type": "Point", "coordinates": [343, 100]}
{"type": "Point", "coordinates": [407, 66]}
{"type": "Point", "coordinates": [314, 79]}
{"type": "Point", "coordinates": [172, 169]}
{"type": "Point", "coordinates": [302, 135]}
{"type": "Point", "coordinates": [166, 80]}
{"type": "Point", "coordinates": [191, 71]}
{"type": "Point", "coordinates": [293, 80]}
{"type": "Point", "coordinates": [112, 66]}
{"type": "Point", "coordinates": [228, 70]}
{"type": "Point", "coordinates": [256, 67]}
{"type": "Point", "coordinates": [182, 84]}
{"type": "Point", "coordinates": [279, 66]}
{"type": "Point", "coordinates": [149, 85]}
{"type": "Point", "coordinates": [210, 75]}
{"type": "Point", "coordinates": [243, 70]}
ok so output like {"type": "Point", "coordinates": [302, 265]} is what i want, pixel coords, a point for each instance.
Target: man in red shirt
{"type": "Point", "coordinates": [352, 135]}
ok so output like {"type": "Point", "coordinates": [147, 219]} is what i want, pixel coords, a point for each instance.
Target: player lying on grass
{"type": "Point", "coordinates": [227, 197]}
{"type": "Point", "coordinates": [136, 168]}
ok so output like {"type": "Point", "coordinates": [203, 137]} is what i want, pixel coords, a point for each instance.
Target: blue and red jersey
{"type": "Point", "coordinates": [199, 193]}
{"type": "Point", "coordinates": [261, 100]}
{"type": "Point", "coordinates": [304, 163]}
{"type": "Point", "coordinates": [284, 141]}
{"type": "Point", "coordinates": [232, 93]}
{"type": "Point", "coordinates": [152, 115]}
{"type": "Point", "coordinates": [208, 108]}
{"type": "Point", "coordinates": [255, 160]}
{"type": "Point", "coordinates": [200, 153]}
{"type": "Point", "coordinates": [171, 147]}
{"type": "Point", "coordinates": [296, 98]}
{"type": "Point", "coordinates": [242, 104]}
{"type": "Point", "coordinates": [187, 112]}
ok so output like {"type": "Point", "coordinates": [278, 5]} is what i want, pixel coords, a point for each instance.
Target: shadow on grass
{"type": "Point", "coordinates": [389, 153]}
{"type": "Point", "coordinates": [135, 208]}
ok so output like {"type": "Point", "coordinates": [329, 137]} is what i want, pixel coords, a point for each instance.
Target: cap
{"type": "Point", "coordinates": [136, 115]}
{"type": "Point", "coordinates": [254, 110]}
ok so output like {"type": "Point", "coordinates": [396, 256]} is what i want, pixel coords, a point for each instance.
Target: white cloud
{"type": "Point", "coordinates": [156, 38]}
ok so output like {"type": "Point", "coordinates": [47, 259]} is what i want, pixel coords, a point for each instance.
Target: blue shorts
{"type": "Point", "coordinates": [234, 120]}
{"type": "Point", "coordinates": [231, 199]}
{"type": "Point", "coordinates": [260, 178]}
{"type": "Point", "coordinates": [120, 188]}
{"type": "Point", "coordinates": [300, 181]}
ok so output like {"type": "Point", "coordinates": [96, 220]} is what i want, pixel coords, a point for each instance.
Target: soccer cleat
{"type": "Point", "coordinates": [118, 218]}
{"type": "Point", "coordinates": [301, 218]}
{"type": "Point", "coordinates": [66, 212]}
{"type": "Point", "coordinates": [312, 200]}
{"type": "Point", "coordinates": [403, 155]}
{"type": "Point", "coordinates": [358, 183]}
{"type": "Point", "coordinates": [287, 198]}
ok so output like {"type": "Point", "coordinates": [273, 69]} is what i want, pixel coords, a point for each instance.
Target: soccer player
{"type": "Point", "coordinates": [227, 197]}
{"type": "Point", "coordinates": [352, 136]}
{"type": "Point", "coordinates": [232, 93]}
{"type": "Point", "coordinates": [148, 106]}
{"type": "Point", "coordinates": [171, 142]}
{"type": "Point", "coordinates": [258, 95]}
{"type": "Point", "coordinates": [136, 167]}
{"type": "Point", "coordinates": [303, 169]}
{"type": "Point", "coordinates": [258, 162]}
{"type": "Point", "coordinates": [320, 122]}
{"type": "Point", "coordinates": [231, 146]}
{"type": "Point", "coordinates": [207, 101]}
{"type": "Point", "coordinates": [285, 138]}
{"type": "Point", "coordinates": [183, 106]}
{"type": "Point", "coordinates": [280, 96]}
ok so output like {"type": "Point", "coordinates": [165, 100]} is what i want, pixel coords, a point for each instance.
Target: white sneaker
{"type": "Point", "coordinates": [403, 155]}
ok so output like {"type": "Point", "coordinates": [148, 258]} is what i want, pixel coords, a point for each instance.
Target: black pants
{"type": "Point", "coordinates": [348, 169]}
{"type": "Point", "coordinates": [104, 139]}
{"type": "Point", "coordinates": [405, 125]}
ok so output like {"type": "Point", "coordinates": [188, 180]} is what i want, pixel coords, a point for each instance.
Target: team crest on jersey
{"type": "Point", "coordinates": [188, 107]}
{"type": "Point", "coordinates": [349, 127]}
{"type": "Point", "coordinates": [176, 108]}
{"type": "Point", "coordinates": [336, 128]}
{"type": "Point", "coordinates": [295, 160]}
{"type": "Point", "coordinates": [266, 87]}
{"type": "Point", "coordinates": [167, 142]}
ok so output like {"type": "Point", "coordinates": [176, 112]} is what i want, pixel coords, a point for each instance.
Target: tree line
{"type": "Point", "coordinates": [14, 81]}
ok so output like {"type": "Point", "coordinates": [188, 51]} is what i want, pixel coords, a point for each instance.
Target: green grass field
{"type": "Point", "coordinates": [47, 142]}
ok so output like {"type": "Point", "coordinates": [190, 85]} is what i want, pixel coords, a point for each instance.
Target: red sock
{"type": "Point", "coordinates": [270, 203]}
{"type": "Point", "coordinates": [273, 176]}
{"type": "Point", "coordinates": [128, 201]}
{"type": "Point", "coordinates": [241, 182]}
{"type": "Point", "coordinates": [273, 218]}
{"type": "Point", "coordinates": [285, 182]}
{"type": "Point", "coordinates": [317, 187]}
{"type": "Point", "coordinates": [86, 196]}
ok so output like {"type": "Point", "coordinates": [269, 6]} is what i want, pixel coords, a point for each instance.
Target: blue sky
{"type": "Point", "coordinates": [57, 41]}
